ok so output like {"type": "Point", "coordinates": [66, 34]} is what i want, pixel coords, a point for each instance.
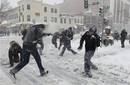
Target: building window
{"type": "Point", "coordinates": [81, 20]}
{"type": "Point", "coordinates": [19, 19]}
{"type": "Point", "coordinates": [45, 19]}
{"type": "Point", "coordinates": [45, 9]}
{"type": "Point", "coordinates": [55, 10]}
{"type": "Point", "coordinates": [21, 13]}
{"type": "Point", "coordinates": [19, 8]}
{"type": "Point", "coordinates": [16, 16]}
{"type": "Point", "coordinates": [52, 19]}
{"type": "Point", "coordinates": [23, 18]}
{"type": "Point", "coordinates": [75, 21]}
{"type": "Point", "coordinates": [37, 14]}
{"type": "Point", "coordinates": [28, 6]}
{"type": "Point", "coordinates": [23, 7]}
{"type": "Point", "coordinates": [55, 20]}
{"type": "Point", "coordinates": [52, 10]}
{"type": "Point", "coordinates": [28, 18]}
{"type": "Point", "coordinates": [61, 20]}
{"type": "Point", "coordinates": [69, 21]}
{"type": "Point", "coordinates": [65, 21]}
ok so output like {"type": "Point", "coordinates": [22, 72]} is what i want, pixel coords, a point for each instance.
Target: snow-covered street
{"type": "Point", "coordinates": [113, 63]}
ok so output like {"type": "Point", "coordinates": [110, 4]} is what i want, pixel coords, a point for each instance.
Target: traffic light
{"type": "Point", "coordinates": [100, 11]}
{"type": "Point", "coordinates": [86, 4]}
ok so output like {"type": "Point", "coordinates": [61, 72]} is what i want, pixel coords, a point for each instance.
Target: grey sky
{"type": "Point", "coordinates": [14, 2]}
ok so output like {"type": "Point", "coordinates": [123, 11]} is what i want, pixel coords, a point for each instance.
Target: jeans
{"type": "Point", "coordinates": [68, 47]}
{"type": "Point", "coordinates": [87, 61]}
{"type": "Point", "coordinates": [27, 50]}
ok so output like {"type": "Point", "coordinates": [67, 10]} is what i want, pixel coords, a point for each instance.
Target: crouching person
{"type": "Point", "coordinates": [92, 41]}
{"type": "Point", "coordinates": [14, 53]}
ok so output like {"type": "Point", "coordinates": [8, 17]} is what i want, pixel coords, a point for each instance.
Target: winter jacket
{"type": "Point", "coordinates": [15, 49]}
{"type": "Point", "coordinates": [34, 35]}
{"type": "Point", "coordinates": [67, 36]}
{"type": "Point", "coordinates": [55, 37]}
{"type": "Point", "coordinates": [123, 34]}
{"type": "Point", "coordinates": [91, 41]}
{"type": "Point", "coordinates": [68, 33]}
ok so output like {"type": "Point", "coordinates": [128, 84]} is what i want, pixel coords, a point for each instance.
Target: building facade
{"type": "Point", "coordinates": [36, 12]}
{"type": "Point", "coordinates": [117, 12]}
{"type": "Point", "coordinates": [12, 16]}
{"type": "Point", "coordinates": [120, 10]}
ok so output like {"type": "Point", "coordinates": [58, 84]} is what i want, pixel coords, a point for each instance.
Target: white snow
{"type": "Point", "coordinates": [113, 63]}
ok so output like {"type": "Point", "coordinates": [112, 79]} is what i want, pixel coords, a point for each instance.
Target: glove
{"type": "Point", "coordinates": [79, 48]}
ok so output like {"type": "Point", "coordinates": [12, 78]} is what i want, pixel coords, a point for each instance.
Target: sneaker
{"type": "Point", "coordinates": [89, 74]}
{"type": "Point", "coordinates": [44, 73]}
{"type": "Point", "coordinates": [75, 53]}
{"type": "Point", "coordinates": [12, 73]}
{"type": "Point", "coordinates": [94, 68]}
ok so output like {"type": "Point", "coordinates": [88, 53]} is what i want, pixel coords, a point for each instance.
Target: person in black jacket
{"type": "Point", "coordinates": [123, 37]}
{"type": "Point", "coordinates": [67, 36]}
{"type": "Point", "coordinates": [92, 41]}
{"type": "Point", "coordinates": [14, 53]}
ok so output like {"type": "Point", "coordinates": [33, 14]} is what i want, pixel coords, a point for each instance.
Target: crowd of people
{"type": "Point", "coordinates": [32, 37]}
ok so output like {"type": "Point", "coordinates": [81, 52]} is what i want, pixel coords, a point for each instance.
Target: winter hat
{"type": "Point", "coordinates": [12, 43]}
{"type": "Point", "coordinates": [93, 29]}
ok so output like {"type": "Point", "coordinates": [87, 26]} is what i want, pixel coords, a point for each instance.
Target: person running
{"type": "Point", "coordinates": [30, 41]}
{"type": "Point", "coordinates": [67, 36]}
{"type": "Point", "coordinates": [123, 37]}
{"type": "Point", "coordinates": [92, 41]}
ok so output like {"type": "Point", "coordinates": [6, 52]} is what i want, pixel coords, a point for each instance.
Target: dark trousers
{"type": "Point", "coordinates": [27, 50]}
{"type": "Point", "coordinates": [54, 43]}
{"type": "Point", "coordinates": [68, 47]}
{"type": "Point", "coordinates": [122, 42]}
{"type": "Point", "coordinates": [87, 61]}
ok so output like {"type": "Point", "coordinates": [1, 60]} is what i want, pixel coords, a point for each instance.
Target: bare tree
{"type": "Point", "coordinates": [4, 6]}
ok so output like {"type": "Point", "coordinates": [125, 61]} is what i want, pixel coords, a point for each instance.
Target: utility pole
{"type": "Point", "coordinates": [88, 10]}
{"type": "Point", "coordinates": [101, 14]}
